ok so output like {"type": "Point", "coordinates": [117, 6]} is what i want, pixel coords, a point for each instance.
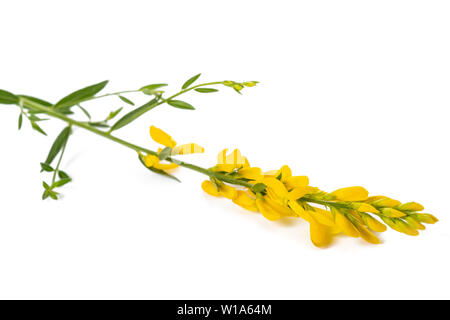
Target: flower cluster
{"type": "Point", "coordinates": [277, 194]}
{"type": "Point", "coordinates": [171, 149]}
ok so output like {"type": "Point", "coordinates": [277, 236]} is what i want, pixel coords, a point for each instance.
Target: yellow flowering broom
{"type": "Point", "coordinates": [275, 194]}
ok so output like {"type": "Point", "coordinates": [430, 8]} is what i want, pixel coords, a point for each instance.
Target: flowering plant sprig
{"type": "Point", "coordinates": [275, 194]}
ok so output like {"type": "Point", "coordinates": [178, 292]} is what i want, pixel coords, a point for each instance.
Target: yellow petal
{"type": "Point", "coordinates": [161, 137]}
{"type": "Point", "coordinates": [367, 235]}
{"type": "Point", "coordinates": [320, 234]}
{"type": "Point", "coordinates": [267, 211]}
{"type": "Point", "coordinates": [235, 158]}
{"type": "Point", "coordinates": [165, 166]}
{"type": "Point", "coordinates": [375, 198]}
{"type": "Point", "coordinates": [406, 229]}
{"type": "Point", "coordinates": [285, 173]}
{"type": "Point", "coordinates": [210, 188]}
{"type": "Point", "coordinates": [276, 187]}
{"type": "Point", "coordinates": [351, 194]}
{"type": "Point", "coordinates": [365, 207]}
{"type": "Point", "coordinates": [346, 225]}
{"type": "Point", "coordinates": [297, 193]}
{"type": "Point", "coordinates": [300, 212]}
{"type": "Point", "coordinates": [392, 213]}
{"type": "Point", "coordinates": [373, 224]}
{"type": "Point", "coordinates": [411, 206]}
{"type": "Point", "coordinates": [150, 160]}
{"type": "Point", "coordinates": [251, 173]}
{"type": "Point", "coordinates": [222, 157]}
{"type": "Point", "coordinates": [188, 148]}
{"type": "Point", "coordinates": [282, 209]}
{"type": "Point", "coordinates": [391, 223]}
{"type": "Point", "coordinates": [414, 223]}
{"type": "Point", "coordinates": [324, 217]}
{"type": "Point", "coordinates": [242, 198]}
{"type": "Point", "coordinates": [227, 191]}
{"type": "Point", "coordinates": [425, 218]}
{"type": "Point", "coordinates": [386, 203]}
{"type": "Point", "coordinates": [296, 182]}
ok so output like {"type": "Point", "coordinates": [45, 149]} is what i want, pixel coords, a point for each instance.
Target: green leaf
{"type": "Point", "coordinates": [36, 127]}
{"type": "Point", "coordinates": [46, 167]}
{"type": "Point", "coordinates": [45, 195]}
{"type": "Point", "coordinates": [62, 175]}
{"type": "Point", "coordinates": [45, 185]}
{"type": "Point", "coordinates": [152, 87]}
{"type": "Point", "coordinates": [259, 187]}
{"type": "Point", "coordinates": [98, 124]}
{"type": "Point", "coordinates": [166, 152]}
{"type": "Point", "coordinates": [190, 81]}
{"type": "Point", "coordinates": [133, 115]}
{"type": "Point", "coordinates": [206, 90]}
{"type": "Point", "coordinates": [180, 104]}
{"type": "Point", "coordinates": [112, 114]}
{"type": "Point", "coordinates": [37, 100]}
{"type": "Point", "coordinates": [20, 120]}
{"type": "Point", "coordinates": [84, 111]}
{"type": "Point", "coordinates": [57, 145]}
{"type": "Point", "coordinates": [53, 195]}
{"type": "Point", "coordinates": [126, 100]}
{"type": "Point", "coordinates": [61, 182]}
{"type": "Point", "coordinates": [158, 171]}
{"type": "Point", "coordinates": [7, 97]}
{"type": "Point", "coordinates": [80, 95]}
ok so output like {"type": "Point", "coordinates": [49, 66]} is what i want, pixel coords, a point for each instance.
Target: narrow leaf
{"type": "Point", "coordinates": [37, 100]}
{"type": "Point", "coordinates": [36, 127]}
{"type": "Point", "coordinates": [190, 81]}
{"type": "Point", "coordinates": [112, 114]}
{"type": "Point", "coordinates": [7, 97]}
{"type": "Point", "coordinates": [152, 87]}
{"type": "Point", "coordinates": [180, 104]}
{"type": "Point", "coordinates": [45, 195]}
{"type": "Point", "coordinates": [206, 90]}
{"type": "Point", "coordinates": [133, 115]}
{"type": "Point", "coordinates": [99, 124]}
{"type": "Point", "coordinates": [62, 175]}
{"type": "Point", "coordinates": [126, 100]}
{"type": "Point", "coordinates": [45, 185]}
{"type": "Point", "coordinates": [84, 111]}
{"type": "Point", "coordinates": [61, 182]}
{"type": "Point", "coordinates": [46, 167]}
{"type": "Point", "coordinates": [80, 95]}
{"type": "Point", "coordinates": [158, 171]}
{"type": "Point", "coordinates": [20, 120]}
{"type": "Point", "coordinates": [57, 145]}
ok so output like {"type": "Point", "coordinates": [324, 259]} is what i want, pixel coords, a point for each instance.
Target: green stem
{"type": "Point", "coordinates": [51, 112]}
{"type": "Point", "coordinates": [59, 162]}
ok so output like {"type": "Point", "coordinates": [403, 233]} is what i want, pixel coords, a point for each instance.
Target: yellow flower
{"type": "Point", "coordinates": [243, 199]}
{"type": "Point", "coordinates": [166, 140]}
{"type": "Point", "coordinates": [219, 190]}
{"type": "Point", "coordinates": [367, 235]}
{"type": "Point", "coordinates": [346, 225]}
{"type": "Point", "coordinates": [320, 234]}
{"type": "Point", "coordinates": [152, 161]}
{"type": "Point", "coordinates": [161, 137]}
{"type": "Point", "coordinates": [372, 223]}
{"type": "Point", "coordinates": [351, 194]}
{"type": "Point", "coordinates": [411, 206]}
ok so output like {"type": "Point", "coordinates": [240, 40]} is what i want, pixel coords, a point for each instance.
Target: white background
{"type": "Point", "coordinates": [351, 93]}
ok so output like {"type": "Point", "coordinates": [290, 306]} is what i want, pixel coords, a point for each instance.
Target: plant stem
{"type": "Point", "coordinates": [51, 112]}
